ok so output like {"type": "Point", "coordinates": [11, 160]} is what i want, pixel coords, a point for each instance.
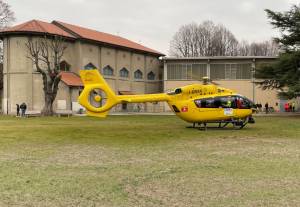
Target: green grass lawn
{"type": "Point", "coordinates": [147, 161]}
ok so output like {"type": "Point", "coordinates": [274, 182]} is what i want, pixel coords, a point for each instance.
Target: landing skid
{"type": "Point", "coordinates": [236, 124]}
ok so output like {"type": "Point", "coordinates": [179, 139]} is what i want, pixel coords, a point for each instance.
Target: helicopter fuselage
{"type": "Point", "coordinates": [201, 103]}
{"type": "Point", "coordinates": [190, 112]}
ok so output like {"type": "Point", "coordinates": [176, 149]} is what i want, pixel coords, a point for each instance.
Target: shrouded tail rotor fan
{"type": "Point", "coordinates": [98, 98]}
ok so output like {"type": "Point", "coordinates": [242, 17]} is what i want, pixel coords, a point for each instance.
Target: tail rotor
{"type": "Point", "coordinates": [98, 98]}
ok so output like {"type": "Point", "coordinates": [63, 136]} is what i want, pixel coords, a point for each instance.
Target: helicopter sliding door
{"type": "Point", "coordinates": [228, 105]}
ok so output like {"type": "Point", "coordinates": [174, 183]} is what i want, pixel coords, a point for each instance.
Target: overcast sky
{"type": "Point", "coordinates": [154, 22]}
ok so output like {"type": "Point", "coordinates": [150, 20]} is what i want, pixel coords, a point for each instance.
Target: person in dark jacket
{"type": "Point", "coordinates": [267, 107]}
{"type": "Point", "coordinates": [23, 108]}
{"type": "Point", "coordinates": [18, 109]}
{"type": "Point", "coordinates": [259, 106]}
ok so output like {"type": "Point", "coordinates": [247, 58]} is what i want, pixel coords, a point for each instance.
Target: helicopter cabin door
{"type": "Point", "coordinates": [228, 104]}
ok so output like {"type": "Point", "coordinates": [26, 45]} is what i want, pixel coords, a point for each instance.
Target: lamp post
{"type": "Point", "coordinates": [253, 82]}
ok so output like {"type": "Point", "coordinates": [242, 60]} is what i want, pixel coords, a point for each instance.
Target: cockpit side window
{"type": "Point", "coordinates": [227, 102]}
{"type": "Point", "coordinates": [236, 102]}
{"type": "Point", "coordinates": [207, 103]}
{"type": "Point", "coordinates": [217, 102]}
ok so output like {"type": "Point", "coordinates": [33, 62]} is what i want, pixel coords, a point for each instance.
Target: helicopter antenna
{"type": "Point", "coordinates": [205, 80]}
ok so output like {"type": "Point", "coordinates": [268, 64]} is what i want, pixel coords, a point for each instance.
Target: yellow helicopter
{"type": "Point", "coordinates": [196, 103]}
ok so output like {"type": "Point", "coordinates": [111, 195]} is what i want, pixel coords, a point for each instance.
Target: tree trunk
{"type": "Point", "coordinates": [48, 110]}
{"type": "Point", "coordinates": [50, 92]}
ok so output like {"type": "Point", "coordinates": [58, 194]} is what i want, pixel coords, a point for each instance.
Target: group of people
{"type": "Point", "coordinates": [259, 106]}
{"type": "Point", "coordinates": [289, 107]}
{"type": "Point", "coordinates": [23, 108]}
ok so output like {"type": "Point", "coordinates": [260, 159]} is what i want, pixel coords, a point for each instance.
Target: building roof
{"type": "Point", "coordinates": [36, 26]}
{"type": "Point", "coordinates": [71, 79]}
{"type": "Point", "coordinates": [103, 37]}
{"type": "Point", "coordinates": [76, 32]}
{"type": "Point", "coordinates": [220, 58]}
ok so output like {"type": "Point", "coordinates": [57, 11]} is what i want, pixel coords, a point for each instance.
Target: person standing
{"type": "Point", "coordinates": [259, 107]}
{"type": "Point", "coordinates": [18, 109]}
{"type": "Point", "coordinates": [23, 108]}
{"type": "Point", "coordinates": [293, 106]}
{"type": "Point", "coordinates": [286, 107]}
{"type": "Point", "coordinates": [267, 107]}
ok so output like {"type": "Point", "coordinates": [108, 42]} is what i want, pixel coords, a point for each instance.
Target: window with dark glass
{"type": "Point", "coordinates": [124, 73]}
{"type": "Point", "coordinates": [227, 102]}
{"type": "Point", "coordinates": [90, 66]}
{"type": "Point", "coordinates": [108, 71]}
{"type": "Point", "coordinates": [151, 76]}
{"type": "Point", "coordinates": [217, 102]}
{"type": "Point", "coordinates": [138, 74]}
{"type": "Point", "coordinates": [64, 66]}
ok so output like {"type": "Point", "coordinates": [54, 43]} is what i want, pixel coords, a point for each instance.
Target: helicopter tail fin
{"type": "Point", "coordinates": [97, 97]}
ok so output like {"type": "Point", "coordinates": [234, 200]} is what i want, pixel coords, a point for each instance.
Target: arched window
{"type": "Point", "coordinates": [64, 66]}
{"type": "Point", "coordinates": [107, 70]}
{"type": "Point", "coordinates": [151, 76]}
{"type": "Point", "coordinates": [138, 74]}
{"type": "Point", "coordinates": [124, 73]}
{"type": "Point", "coordinates": [90, 66]}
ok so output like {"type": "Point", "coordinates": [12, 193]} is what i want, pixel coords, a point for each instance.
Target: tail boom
{"type": "Point", "coordinates": [143, 98]}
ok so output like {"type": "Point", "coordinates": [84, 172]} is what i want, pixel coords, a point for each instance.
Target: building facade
{"type": "Point", "coordinates": [237, 73]}
{"type": "Point", "coordinates": [128, 67]}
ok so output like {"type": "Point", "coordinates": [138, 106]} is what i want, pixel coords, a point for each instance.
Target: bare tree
{"type": "Point", "coordinates": [208, 39]}
{"type": "Point", "coordinates": [224, 43]}
{"type": "Point", "coordinates": [6, 18]}
{"type": "Point", "coordinates": [46, 54]}
{"type": "Point", "coordinates": [243, 48]}
{"type": "Point", "coordinates": [6, 14]}
{"type": "Point", "coordinates": [266, 48]}
{"type": "Point", "coordinates": [184, 43]}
